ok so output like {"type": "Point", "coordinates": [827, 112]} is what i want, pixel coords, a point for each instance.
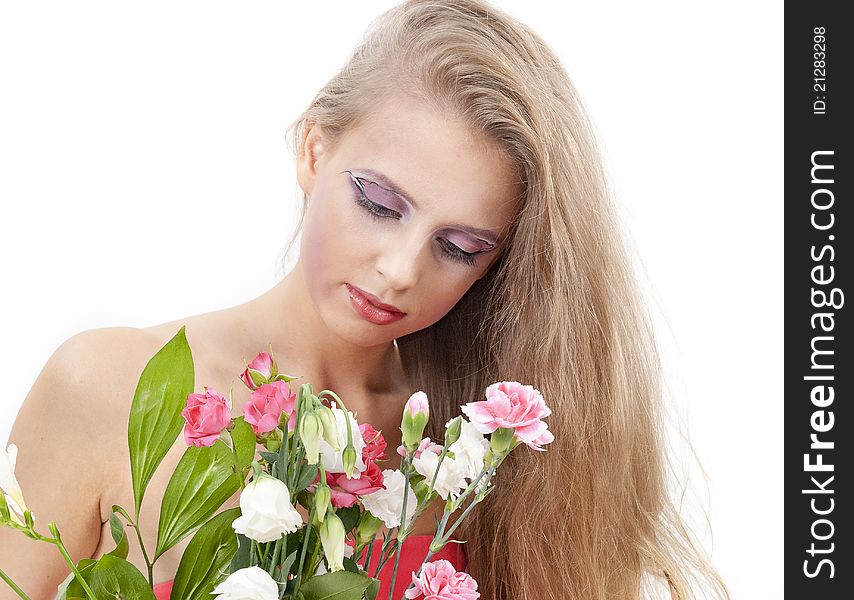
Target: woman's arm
{"type": "Point", "coordinates": [63, 433]}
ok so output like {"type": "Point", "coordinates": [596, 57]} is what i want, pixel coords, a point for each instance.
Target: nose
{"type": "Point", "coordinates": [398, 263]}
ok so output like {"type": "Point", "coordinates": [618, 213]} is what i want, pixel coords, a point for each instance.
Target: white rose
{"type": "Point", "coordinates": [331, 459]}
{"type": "Point", "coordinates": [251, 583]}
{"type": "Point", "coordinates": [387, 504]}
{"type": "Point", "coordinates": [470, 449]}
{"type": "Point", "coordinates": [266, 510]}
{"type": "Point", "coordinates": [451, 477]}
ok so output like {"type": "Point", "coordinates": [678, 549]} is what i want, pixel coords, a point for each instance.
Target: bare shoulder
{"type": "Point", "coordinates": [95, 368]}
{"type": "Point", "coordinates": [81, 399]}
{"type": "Point", "coordinates": [71, 435]}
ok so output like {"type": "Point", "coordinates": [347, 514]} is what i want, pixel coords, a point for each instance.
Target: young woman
{"type": "Point", "coordinates": [455, 232]}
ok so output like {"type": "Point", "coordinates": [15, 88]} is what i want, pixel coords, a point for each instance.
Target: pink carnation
{"type": "Point", "coordinates": [418, 404]}
{"type": "Point", "coordinates": [511, 405]}
{"type": "Point", "coordinates": [375, 443]}
{"type": "Point", "coordinates": [439, 580]}
{"type": "Point", "coordinates": [426, 444]}
{"type": "Point", "coordinates": [266, 405]}
{"type": "Point", "coordinates": [346, 492]}
{"type": "Point", "coordinates": [205, 416]}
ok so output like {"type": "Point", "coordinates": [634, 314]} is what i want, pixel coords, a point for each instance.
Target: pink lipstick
{"type": "Point", "coordinates": [370, 308]}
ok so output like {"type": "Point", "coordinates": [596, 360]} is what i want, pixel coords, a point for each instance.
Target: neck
{"type": "Point", "coordinates": [286, 318]}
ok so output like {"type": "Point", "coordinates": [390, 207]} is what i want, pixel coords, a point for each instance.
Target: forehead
{"type": "Point", "coordinates": [450, 171]}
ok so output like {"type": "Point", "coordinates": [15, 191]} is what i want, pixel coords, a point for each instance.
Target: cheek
{"type": "Point", "coordinates": [438, 299]}
{"type": "Point", "coordinates": [314, 253]}
{"type": "Point", "coordinates": [330, 237]}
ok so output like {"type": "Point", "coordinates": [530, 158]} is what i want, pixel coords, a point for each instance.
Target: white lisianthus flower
{"type": "Point", "coordinates": [266, 510]}
{"type": "Point", "coordinates": [251, 583]}
{"type": "Point", "coordinates": [387, 504]}
{"type": "Point", "coordinates": [470, 449]}
{"type": "Point", "coordinates": [332, 538]}
{"type": "Point", "coordinates": [451, 478]}
{"type": "Point", "coordinates": [9, 485]}
{"type": "Point", "coordinates": [348, 553]}
{"type": "Point", "coordinates": [332, 459]}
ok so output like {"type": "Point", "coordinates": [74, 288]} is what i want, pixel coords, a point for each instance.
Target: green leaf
{"type": "Point", "coordinates": [70, 588]}
{"type": "Point", "coordinates": [289, 562]}
{"type": "Point", "coordinates": [270, 457]}
{"type": "Point", "coordinates": [155, 413]}
{"type": "Point", "coordinates": [340, 585]}
{"type": "Point", "coordinates": [244, 442]}
{"type": "Point", "coordinates": [350, 565]}
{"type": "Point", "coordinates": [373, 590]}
{"type": "Point", "coordinates": [117, 529]}
{"type": "Point", "coordinates": [203, 480]}
{"type": "Point", "coordinates": [242, 554]}
{"type": "Point", "coordinates": [206, 558]}
{"type": "Point", "coordinates": [114, 577]}
{"type": "Point", "coordinates": [284, 457]}
{"type": "Point", "coordinates": [349, 516]}
{"type": "Point", "coordinates": [306, 476]}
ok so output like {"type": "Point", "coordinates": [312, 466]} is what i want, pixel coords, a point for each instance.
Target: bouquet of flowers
{"type": "Point", "coordinates": [288, 448]}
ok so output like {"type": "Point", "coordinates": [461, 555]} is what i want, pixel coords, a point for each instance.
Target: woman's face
{"type": "Point", "coordinates": [409, 207]}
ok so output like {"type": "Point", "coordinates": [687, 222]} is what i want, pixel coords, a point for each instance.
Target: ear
{"type": "Point", "coordinates": [310, 153]}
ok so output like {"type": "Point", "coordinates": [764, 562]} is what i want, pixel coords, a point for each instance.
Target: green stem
{"type": "Point", "coordinates": [314, 554]}
{"type": "Point", "coordinates": [368, 555]}
{"type": "Point", "coordinates": [401, 535]}
{"type": "Point", "coordinates": [258, 552]}
{"type": "Point", "coordinates": [388, 549]}
{"type": "Point", "coordinates": [12, 585]}
{"type": "Point", "coordinates": [276, 550]}
{"type": "Point", "coordinates": [58, 541]}
{"type": "Point", "coordinates": [305, 544]}
{"type": "Point", "coordinates": [439, 533]}
{"type": "Point", "coordinates": [133, 522]}
{"type": "Point", "coordinates": [145, 556]}
{"type": "Point", "coordinates": [241, 476]}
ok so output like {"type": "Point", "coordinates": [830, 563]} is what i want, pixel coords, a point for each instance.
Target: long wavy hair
{"type": "Point", "coordinates": [560, 309]}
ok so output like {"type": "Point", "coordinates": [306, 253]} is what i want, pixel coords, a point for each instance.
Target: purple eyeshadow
{"type": "Point", "coordinates": [466, 242]}
{"type": "Point", "coordinates": [377, 194]}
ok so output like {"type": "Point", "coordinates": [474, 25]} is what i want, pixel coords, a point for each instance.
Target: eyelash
{"type": "Point", "coordinates": [379, 213]}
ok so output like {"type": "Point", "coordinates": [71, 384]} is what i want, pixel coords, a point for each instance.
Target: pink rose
{"type": "Point", "coordinates": [375, 444]}
{"type": "Point", "coordinates": [511, 405]}
{"type": "Point", "coordinates": [262, 365]}
{"type": "Point", "coordinates": [346, 492]}
{"type": "Point", "coordinates": [266, 405]}
{"type": "Point", "coordinates": [439, 580]}
{"type": "Point", "coordinates": [426, 444]}
{"type": "Point", "coordinates": [205, 416]}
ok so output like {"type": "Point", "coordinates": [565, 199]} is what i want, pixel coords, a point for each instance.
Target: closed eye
{"type": "Point", "coordinates": [380, 213]}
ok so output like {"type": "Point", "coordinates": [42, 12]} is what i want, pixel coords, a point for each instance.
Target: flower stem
{"type": "Point", "coordinates": [440, 532]}
{"type": "Point", "coordinates": [58, 541]}
{"type": "Point", "coordinates": [314, 553]}
{"type": "Point", "coordinates": [401, 535]}
{"type": "Point", "coordinates": [12, 585]}
{"type": "Point", "coordinates": [133, 523]}
{"type": "Point", "coordinates": [305, 545]}
{"type": "Point", "coordinates": [368, 555]}
{"type": "Point", "coordinates": [276, 550]}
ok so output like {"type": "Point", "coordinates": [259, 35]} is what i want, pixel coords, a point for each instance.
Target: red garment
{"type": "Point", "coordinates": [414, 550]}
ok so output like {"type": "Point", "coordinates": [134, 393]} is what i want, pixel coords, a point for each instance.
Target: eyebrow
{"type": "Point", "coordinates": [486, 234]}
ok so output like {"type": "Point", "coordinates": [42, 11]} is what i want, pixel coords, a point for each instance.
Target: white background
{"type": "Point", "coordinates": [144, 177]}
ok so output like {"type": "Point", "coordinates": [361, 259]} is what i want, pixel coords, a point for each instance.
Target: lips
{"type": "Point", "coordinates": [376, 301]}
{"type": "Point", "coordinates": [370, 308]}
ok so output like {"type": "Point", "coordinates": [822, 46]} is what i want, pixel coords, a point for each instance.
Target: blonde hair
{"type": "Point", "coordinates": [560, 309]}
